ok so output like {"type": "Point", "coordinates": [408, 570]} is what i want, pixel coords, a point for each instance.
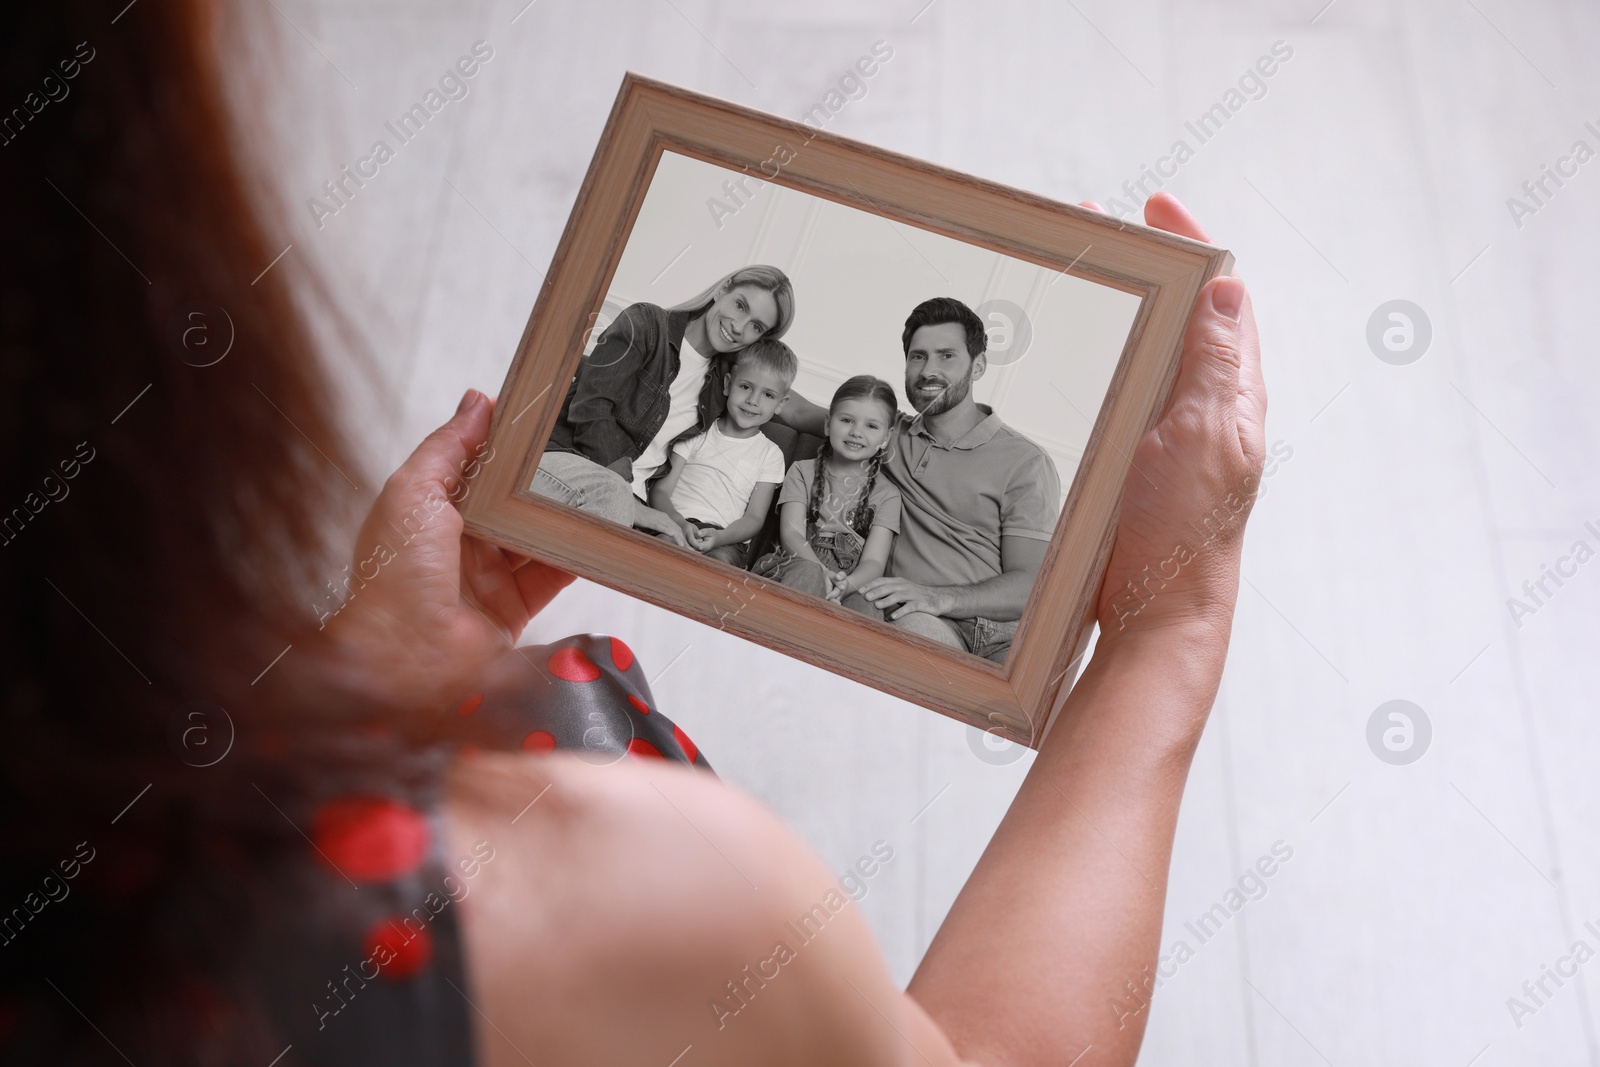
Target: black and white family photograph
{"type": "Point", "coordinates": [875, 414]}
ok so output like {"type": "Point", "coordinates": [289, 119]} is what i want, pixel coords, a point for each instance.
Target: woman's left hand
{"type": "Point", "coordinates": [442, 605]}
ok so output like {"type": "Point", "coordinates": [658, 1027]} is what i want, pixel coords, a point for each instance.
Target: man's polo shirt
{"type": "Point", "coordinates": [957, 501]}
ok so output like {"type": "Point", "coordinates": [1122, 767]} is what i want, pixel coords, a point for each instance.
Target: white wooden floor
{"type": "Point", "coordinates": [1418, 498]}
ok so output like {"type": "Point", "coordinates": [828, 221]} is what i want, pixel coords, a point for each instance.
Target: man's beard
{"type": "Point", "coordinates": [940, 402]}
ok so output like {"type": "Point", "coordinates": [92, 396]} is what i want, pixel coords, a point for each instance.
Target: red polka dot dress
{"type": "Point", "coordinates": [585, 693]}
{"type": "Point", "coordinates": [363, 964]}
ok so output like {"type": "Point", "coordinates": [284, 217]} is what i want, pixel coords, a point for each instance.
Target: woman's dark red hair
{"type": "Point", "coordinates": [174, 565]}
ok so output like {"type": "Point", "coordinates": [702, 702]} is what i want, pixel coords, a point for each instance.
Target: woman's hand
{"type": "Point", "coordinates": [441, 605]}
{"type": "Point", "coordinates": [1196, 474]}
{"type": "Point", "coordinates": [1093, 822]}
{"type": "Point", "coordinates": [648, 518]}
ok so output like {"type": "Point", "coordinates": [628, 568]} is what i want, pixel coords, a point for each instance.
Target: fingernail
{"type": "Point", "coordinates": [469, 398]}
{"type": "Point", "coordinates": [1227, 297]}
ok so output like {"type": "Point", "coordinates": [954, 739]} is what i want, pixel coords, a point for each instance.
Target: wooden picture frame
{"type": "Point", "coordinates": [1016, 699]}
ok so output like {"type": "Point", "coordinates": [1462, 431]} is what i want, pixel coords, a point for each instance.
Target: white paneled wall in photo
{"type": "Point", "coordinates": [1055, 338]}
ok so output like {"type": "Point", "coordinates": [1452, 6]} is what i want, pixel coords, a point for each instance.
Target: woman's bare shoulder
{"type": "Point", "coordinates": [642, 912]}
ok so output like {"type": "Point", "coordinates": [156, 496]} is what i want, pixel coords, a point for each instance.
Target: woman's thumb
{"type": "Point", "coordinates": [1227, 298]}
{"type": "Point", "coordinates": [1211, 343]}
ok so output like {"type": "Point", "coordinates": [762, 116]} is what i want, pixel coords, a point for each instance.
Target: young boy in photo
{"type": "Point", "coordinates": [719, 485]}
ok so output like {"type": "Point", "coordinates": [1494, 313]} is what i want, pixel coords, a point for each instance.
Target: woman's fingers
{"type": "Point", "coordinates": [1164, 212]}
{"type": "Point", "coordinates": [674, 532]}
{"type": "Point", "coordinates": [1221, 347]}
{"type": "Point", "coordinates": [415, 504]}
{"type": "Point", "coordinates": [509, 595]}
{"type": "Point", "coordinates": [1242, 349]}
{"type": "Point", "coordinates": [438, 462]}
{"type": "Point", "coordinates": [539, 583]}
{"type": "Point", "coordinates": [489, 586]}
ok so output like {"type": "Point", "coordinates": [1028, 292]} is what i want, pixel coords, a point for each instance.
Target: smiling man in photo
{"type": "Point", "coordinates": [979, 500]}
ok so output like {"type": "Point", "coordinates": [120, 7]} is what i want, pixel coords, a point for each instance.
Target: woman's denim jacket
{"type": "Point", "coordinates": [617, 401]}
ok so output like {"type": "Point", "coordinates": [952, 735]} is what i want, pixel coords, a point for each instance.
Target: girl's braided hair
{"type": "Point", "coordinates": [859, 515]}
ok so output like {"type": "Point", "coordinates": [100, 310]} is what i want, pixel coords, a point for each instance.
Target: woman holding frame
{"type": "Point", "coordinates": [1034, 961]}
{"type": "Point", "coordinates": [611, 907]}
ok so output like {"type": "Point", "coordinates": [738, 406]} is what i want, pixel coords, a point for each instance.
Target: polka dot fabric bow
{"type": "Point", "coordinates": [586, 693]}
{"type": "Point", "coordinates": [364, 959]}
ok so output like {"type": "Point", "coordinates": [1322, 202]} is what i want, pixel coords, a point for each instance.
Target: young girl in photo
{"type": "Point", "coordinates": [837, 518]}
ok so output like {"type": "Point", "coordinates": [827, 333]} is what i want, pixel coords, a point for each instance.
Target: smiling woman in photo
{"type": "Point", "coordinates": [653, 380]}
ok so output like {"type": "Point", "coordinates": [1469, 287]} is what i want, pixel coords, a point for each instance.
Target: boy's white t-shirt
{"type": "Point", "coordinates": [682, 409]}
{"type": "Point", "coordinates": [720, 472]}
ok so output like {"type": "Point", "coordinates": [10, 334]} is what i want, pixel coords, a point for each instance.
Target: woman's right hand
{"type": "Point", "coordinates": [648, 518]}
{"type": "Point", "coordinates": [1195, 475]}
{"type": "Point", "coordinates": [442, 605]}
